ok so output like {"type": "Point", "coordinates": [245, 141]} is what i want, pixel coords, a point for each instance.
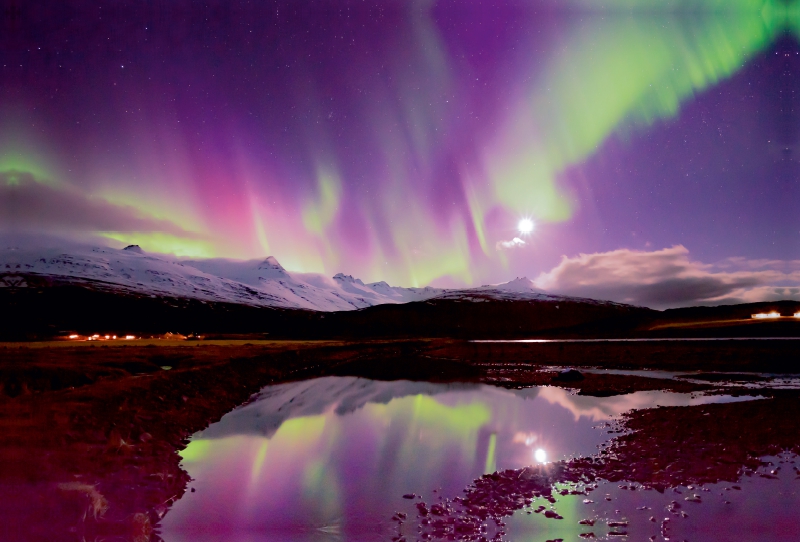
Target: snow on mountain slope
{"type": "Point", "coordinates": [381, 290]}
{"type": "Point", "coordinates": [253, 282]}
{"type": "Point", "coordinates": [519, 289]}
{"type": "Point", "coordinates": [263, 283]}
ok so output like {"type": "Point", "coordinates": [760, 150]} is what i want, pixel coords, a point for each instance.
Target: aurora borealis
{"type": "Point", "coordinates": [404, 141]}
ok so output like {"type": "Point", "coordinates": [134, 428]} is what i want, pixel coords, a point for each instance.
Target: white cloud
{"type": "Point", "coordinates": [669, 278]}
{"type": "Point", "coordinates": [516, 242]}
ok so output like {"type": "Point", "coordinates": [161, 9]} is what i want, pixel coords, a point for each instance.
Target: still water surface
{"type": "Point", "coordinates": [332, 457]}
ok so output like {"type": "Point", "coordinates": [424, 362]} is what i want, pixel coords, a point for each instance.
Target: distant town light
{"type": "Point", "coordinates": [73, 336]}
{"type": "Point", "coordinates": [797, 315]}
{"type": "Point", "coordinates": [762, 315]}
{"type": "Point", "coordinates": [129, 337]}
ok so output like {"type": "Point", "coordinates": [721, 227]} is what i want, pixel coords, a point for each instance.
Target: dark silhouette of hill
{"type": "Point", "coordinates": [47, 308]}
{"type": "Point", "coordinates": [488, 318]}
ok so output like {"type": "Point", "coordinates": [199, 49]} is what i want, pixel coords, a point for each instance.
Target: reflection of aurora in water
{"type": "Point", "coordinates": [467, 138]}
{"type": "Point", "coordinates": [339, 452]}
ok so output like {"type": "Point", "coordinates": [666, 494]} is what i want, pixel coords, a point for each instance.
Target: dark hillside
{"type": "Point", "coordinates": [47, 309]}
{"type": "Point", "coordinates": [488, 318]}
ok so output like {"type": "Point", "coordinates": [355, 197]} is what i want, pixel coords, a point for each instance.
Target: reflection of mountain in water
{"type": "Point", "coordinates": [276, 404]}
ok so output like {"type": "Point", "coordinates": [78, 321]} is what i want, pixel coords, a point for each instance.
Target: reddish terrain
{"type": "Point", "coordinates": [90, 434]}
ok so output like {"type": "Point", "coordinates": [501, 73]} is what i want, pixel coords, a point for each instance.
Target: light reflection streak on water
{"type": "Point", "coordinates": [637, 340]}
{"type": "Point", "coordinates": [770, 380]}
{"type": "Point", "coordinates": [337, 453]}
{"type": "Point", "coordinates": [752, 509]}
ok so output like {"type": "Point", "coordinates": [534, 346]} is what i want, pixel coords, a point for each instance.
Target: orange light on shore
{"type": "Point", "coordinates": [797, 315]}
{"type": "Point", "coordinates": [129, 337]}
{"type": "Point", "coordinates": [763, 315]}
{"type": "Point", "coordinates": [73, 336]}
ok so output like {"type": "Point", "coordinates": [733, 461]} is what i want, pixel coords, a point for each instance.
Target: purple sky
{"type": "Point", "coordinates": [404, 141]}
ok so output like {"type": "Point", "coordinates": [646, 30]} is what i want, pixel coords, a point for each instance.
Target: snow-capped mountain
{"type": "Point", "coordinates": [517, 289]}
{"type": "Point", "coordinates": [261, 283]}
{"type": "Point", "coordinates": [254, 282]}
{"type": "Point", "coordinates": [381, 290]}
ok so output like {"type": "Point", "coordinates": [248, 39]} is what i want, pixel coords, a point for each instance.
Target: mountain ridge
{"type": "Point", "coordinates": [258, 283]}
{"type": "Point", "coordinates": [54, 293]}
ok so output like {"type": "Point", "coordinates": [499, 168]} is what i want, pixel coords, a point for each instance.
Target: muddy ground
{"type": "Point", "coordinates": [89, 435]}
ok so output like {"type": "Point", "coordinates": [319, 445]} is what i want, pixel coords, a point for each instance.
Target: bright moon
{"type": "Point", "coordinates": [540, 455]}
{"type": "Point", "coordinates": [525, 225]}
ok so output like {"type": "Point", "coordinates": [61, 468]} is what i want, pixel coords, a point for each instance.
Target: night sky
{"type": "Point", "coordinates": [405, 141]}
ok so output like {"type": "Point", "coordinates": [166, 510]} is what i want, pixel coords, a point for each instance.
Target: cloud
{"type": "Point", "coordinates": [27, 205]}
{"type": "Point", "coordinates": [516, 242]}
{"type": "Point", "coordinates": [669, 278]}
